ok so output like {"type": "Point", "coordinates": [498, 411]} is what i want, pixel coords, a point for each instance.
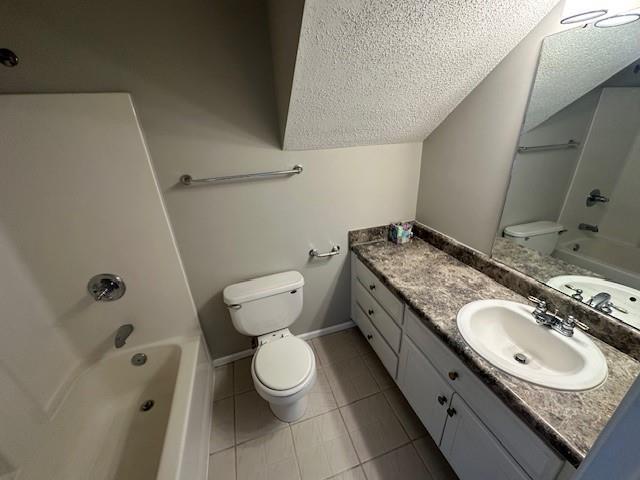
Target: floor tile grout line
{"type": "Point", "coordinates": [295, 452]}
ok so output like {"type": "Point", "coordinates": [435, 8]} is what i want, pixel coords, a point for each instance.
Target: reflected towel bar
{"type": "Point", "coordinates": [555, 146]}
{"type": "Point", "coordinates": [189, 180]}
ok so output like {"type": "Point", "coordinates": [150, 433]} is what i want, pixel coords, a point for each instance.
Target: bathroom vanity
{"type": "Point", "coordinates": [487, 423]}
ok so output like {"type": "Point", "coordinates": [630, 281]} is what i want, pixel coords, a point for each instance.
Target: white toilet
{"type": "Point", "coordinates": [541, 236]}
{"type": "Point", "coordinates": [283, 366]}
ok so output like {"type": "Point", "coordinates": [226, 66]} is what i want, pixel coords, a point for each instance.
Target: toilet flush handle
{"type": "Point", "coordinates": [235, 306]}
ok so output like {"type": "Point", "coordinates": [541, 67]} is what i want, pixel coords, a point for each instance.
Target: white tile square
{"type": "Point", "coordinates": [402, 463]}
{"type": "Point", "coordinates": [409, 420]}
{"type": "Point", "coordinates": [320, 397]}
{"type": "Point", "coordinates": [373, 427]}
{"type": "Point", "coordinates": [222, 425]}
{"type": "Point", "coordinates": [338, 347]}
{"type": "Point", "coordinates": [243, 382]}
{"type": "Point", "coordinates": [254, 417]}
{"type": "Point", "coordinates": [222, 465]}
{"type": "Point", "coordinates": [353, 474]}
{"type": "Point", "coordinates": [350, 380]}
{"type": "Point", "coordinates": [433, 459]}
{"type": "Point", "coordinates": [270, 457]}
{"type": "Point", "coordinates": [323, 446]}
{"type": "Point", "coordinates": [223, 381]}
{"type": "Point", "coordinates": [378, 370]}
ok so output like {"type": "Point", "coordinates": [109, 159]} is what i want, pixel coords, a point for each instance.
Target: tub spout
{"type": "Point", "coordinates": [122, 334]}
{"type": "Point", "coordinates": [590, 228]}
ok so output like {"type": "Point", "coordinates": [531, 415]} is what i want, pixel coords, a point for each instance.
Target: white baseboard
{"type": "Point", "coordinates": [305, 336]}
{"type": "Point", "coordinates": [327, 331]}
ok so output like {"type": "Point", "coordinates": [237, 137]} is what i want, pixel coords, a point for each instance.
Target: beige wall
{"type": "Point", "coordinates": [466, 161]}
{"type": "Point", "coordinates": [200, 76]}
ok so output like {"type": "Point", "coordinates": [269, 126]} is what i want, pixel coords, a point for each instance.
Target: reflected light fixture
{"type": "Point", "coordinates": [617, 20]}
{"type": "Point", "coordinates": [583, 17]}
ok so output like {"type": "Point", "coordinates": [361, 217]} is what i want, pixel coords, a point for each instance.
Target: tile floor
{"type": "Point", "coordinates": [358, 426]}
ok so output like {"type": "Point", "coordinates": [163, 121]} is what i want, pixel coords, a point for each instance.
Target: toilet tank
{"type": "Point", "coordinates": [265, 304]}
{"type": "Point", "coordinates": [541, 236]}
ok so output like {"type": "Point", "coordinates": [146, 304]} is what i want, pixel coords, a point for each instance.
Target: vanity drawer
{"type": "Point", "coordinates": [380, 319]}
{"type": "Point", "coordinates": [530, 451]}
{"type": "Point", "coordinates": [388, 358]}
{"type": "Point", "coordinates": [382, 294]}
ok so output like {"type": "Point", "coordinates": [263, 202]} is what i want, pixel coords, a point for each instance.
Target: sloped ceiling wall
{"type": "Point", "coordinates": [574, 62]}
{"type": "Point", "coordinates": [377, 72]}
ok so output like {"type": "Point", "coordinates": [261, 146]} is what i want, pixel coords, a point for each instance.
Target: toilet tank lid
{"type": "Point", "coordinates": [262, 287]}
{"type": "Point", "coordinates": [532, 229]}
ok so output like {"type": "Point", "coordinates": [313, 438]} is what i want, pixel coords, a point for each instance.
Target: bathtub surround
{"type": "Point", "coordinates": [201, 78]}
{"type": "Point", "coordinates": [78, 197]}
{"type": "Point", "coordinates": [436, 285]}
{"type": "Point", "coordinates": [609, 330]}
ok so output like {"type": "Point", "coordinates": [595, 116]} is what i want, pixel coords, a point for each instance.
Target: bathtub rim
{"type": "Point", "coordinates": [620, 275]}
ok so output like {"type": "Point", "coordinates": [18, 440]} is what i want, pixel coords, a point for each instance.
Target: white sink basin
{"type": "Point", "coordinates": [498, 330]}
{"type": "Point", "coordinates": [627, 299]}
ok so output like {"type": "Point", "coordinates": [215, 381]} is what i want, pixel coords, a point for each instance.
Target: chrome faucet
{"type": "Point", "coordinates": [589, 227]}
{"type": "Point", "coordinates": [122, 334]}
{"type": "Point", "coordinates": [602, 302]}
{"type": "Point", "coordinates": [544, 317]}
{"type": "Point", "coordinates": [599, 300]}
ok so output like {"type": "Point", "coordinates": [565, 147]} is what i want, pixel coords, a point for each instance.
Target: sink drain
{"type": "Point", "coordinates": [520, 358]}
{"type": "Point", "coordinates": [146, 406]}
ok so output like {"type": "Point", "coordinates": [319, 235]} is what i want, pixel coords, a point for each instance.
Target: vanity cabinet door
{"type": "Point", "coordinates": [471, 448]}
{"type": "Point", "coordinates": [424, 388]}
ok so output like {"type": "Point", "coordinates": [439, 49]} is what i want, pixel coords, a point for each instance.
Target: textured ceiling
{"type": "Point", "coordinates": [576, 61]}
{"type": "Point", "coordinates": [380, 71]}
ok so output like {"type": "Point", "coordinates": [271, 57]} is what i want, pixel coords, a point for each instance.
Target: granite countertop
{"type": "Point", "coordinates": [436, 285]}
{"type": "Point", "coordinates": [533, 263]}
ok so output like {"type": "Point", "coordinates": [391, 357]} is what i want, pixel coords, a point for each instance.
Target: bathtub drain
{"type": "Point", "coordinates": [138, 359]}
{"type": "Point", "coordinates": [146, 406]}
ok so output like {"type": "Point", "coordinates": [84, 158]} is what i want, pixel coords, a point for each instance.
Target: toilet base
{"type": "Point", "coordinates": [290, 412]}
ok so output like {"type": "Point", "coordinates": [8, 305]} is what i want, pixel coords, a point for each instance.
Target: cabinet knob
{"type": "Point", "coordinates": [372, 287]}
{"type": "Point", "coordinates": [453, 375]}
{"type": "Point", "coordinates": [370, 312]}
{"type": "Point", "coordinates": [442, 399]}
{"type": "Point", "coordinates": [451, 411]}
{"type": "Point", "coordinates": [369, 336]}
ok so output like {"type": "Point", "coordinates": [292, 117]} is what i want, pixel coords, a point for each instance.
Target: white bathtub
{"type": "Point", "coordinates": [619, 262]}
{"type": "Point", "coordinates": [99, 431]}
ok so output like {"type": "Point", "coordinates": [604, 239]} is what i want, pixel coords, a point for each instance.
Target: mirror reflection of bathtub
{"type": "Point", "coordinates": [616, 261]}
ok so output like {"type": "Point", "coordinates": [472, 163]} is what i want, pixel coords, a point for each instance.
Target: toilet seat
{"type": "Point", "coordinates": [283, 364]}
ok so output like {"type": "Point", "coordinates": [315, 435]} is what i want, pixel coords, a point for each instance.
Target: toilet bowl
{"type": "Point", "coordinates": [283, 372]}
{"type": "Point", "coordinates": [283, 367]}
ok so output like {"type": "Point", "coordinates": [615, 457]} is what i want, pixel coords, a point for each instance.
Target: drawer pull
{"type": "Point", "coordinates": [453, 375]}
{"type": "Point", "coordinates": [372, 287]}
{"type": "Point", "coordinates": [370, 312]}
{"type": "Point", "coordinates": [442, 399]}
{"type": "Point", "coordinates": [451, 412]}
{"type": "Point", "coordinates": [369, 336]}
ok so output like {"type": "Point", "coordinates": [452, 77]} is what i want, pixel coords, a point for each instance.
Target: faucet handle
{"type": "Point", "coordinates": [540, 304]}
{"type": "Point", "coordinates": [572, 321]}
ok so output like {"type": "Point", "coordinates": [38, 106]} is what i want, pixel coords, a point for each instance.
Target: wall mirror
{"type": "Point", "coordinates": [572, 213]}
